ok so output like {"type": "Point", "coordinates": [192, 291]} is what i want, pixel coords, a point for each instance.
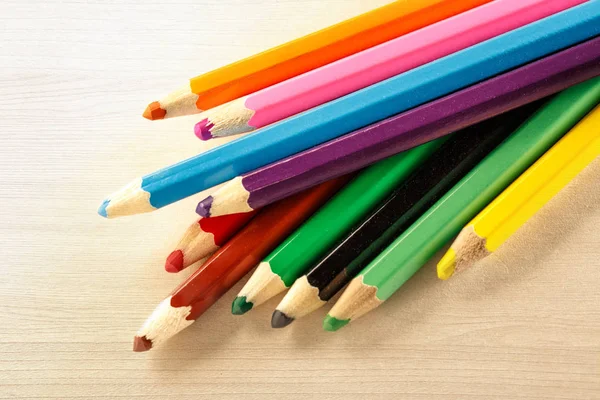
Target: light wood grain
{"type": "Point", "coordinates": [74, 79]}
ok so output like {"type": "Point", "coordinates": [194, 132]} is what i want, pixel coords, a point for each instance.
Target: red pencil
{"type": "Point", "coordinates": [230, 263]}
{"type": "Point", "coordinates": [203, 238]}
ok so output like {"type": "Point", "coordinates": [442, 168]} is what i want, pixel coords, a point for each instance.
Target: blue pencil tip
{"type": "Point", "coordinates": [102, 208]}
{"type": "Point", "coordinates": [203, 208]}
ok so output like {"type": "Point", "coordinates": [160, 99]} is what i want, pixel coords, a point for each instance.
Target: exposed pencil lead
{"type": "Point", "coordinates": [240, 306]}
{"type": "Point", "coordinates": [154, 111]}
{"type": "Point", "coordinates": [332, 324]}
{"type": "Point", "coordinates": [141, 343]}
{"type": "Point", "coordinates": [280, 320]}
{"type": "Point", "coordinates": [174, 262]}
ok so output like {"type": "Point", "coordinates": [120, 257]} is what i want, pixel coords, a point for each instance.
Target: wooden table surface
{"type": "Point", "coordinates": [75, 77]}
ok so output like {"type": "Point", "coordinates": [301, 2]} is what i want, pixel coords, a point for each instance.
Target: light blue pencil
{"type": "Point", "coordinates": [356, 110]}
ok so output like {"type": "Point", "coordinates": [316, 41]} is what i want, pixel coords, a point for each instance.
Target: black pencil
{"type": "Point", "coordinates": [453, 160]}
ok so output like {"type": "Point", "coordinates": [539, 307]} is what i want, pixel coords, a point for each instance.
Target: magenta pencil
{"type": "Point", "coordinates": [406, 130]}
{"type": "Point", "coordinates": [374, 65]}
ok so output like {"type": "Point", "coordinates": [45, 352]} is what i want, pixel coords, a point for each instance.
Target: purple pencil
{"type": "Point", "coordinates": [406, 130]}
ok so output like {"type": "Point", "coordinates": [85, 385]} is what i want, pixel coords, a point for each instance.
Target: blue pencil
{"type": "Point", "coordinates": [356, 110]}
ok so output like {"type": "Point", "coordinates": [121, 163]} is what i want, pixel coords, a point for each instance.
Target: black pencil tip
{"type": "Point", "coordinates": [280, 320]}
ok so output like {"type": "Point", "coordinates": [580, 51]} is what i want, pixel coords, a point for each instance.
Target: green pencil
{"type": "Point", "coordinates": [407, 254]}
{"type": "Point", "coordinates": [293, 257]}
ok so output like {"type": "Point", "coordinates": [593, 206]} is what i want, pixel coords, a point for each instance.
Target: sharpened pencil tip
{"type": "Point", "coordinates": [174, 262]}
{"type": "Point", "coordinates": [240, 306]}
{"type": "Point", "coordinates": [103, 207]}
{"type": "Point", "coordinates": [280, 320]}
{"type": "Point", "coordinates": [203, 129]}
{"type": "Point", "coordinates": [332, 324]}
{"type": "Point", "coordinates": [154, 111]}
{"type": "Point", "coordinates": [447, 265]}
{"type": "Point", "coordinates": [141, 343]}
{"type": "Point", "coordinates": [203, 208]}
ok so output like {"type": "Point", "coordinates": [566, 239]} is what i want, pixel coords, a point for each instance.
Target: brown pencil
{"type": "Point", "coordinates": [230, 263]}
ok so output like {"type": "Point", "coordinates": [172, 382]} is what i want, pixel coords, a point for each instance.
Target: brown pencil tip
{"type": "Point", "coordinates": [174, 262]}
{"type": "Point", "coordinates": [154, 111]}
{"type": "Point", "coordinates": [141, 343]}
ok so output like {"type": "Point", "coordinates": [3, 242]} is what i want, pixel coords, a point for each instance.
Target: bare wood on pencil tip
{"type": "Point", "coordinates": [178, 103]}
{"type": "Point", "coordinates": [469, 248]}
{"type": "Point", "coordinates": [231, 198]}
{"type": "Point", "coordinates": [301, 300]}
{"type": "Point", "coordinates": [228, 119]}
{"type": "Point", "coordinates": [164, 322]}
{"type": "Point", "coordinates": [357, 300]}
{"type": "Point", "coordinates": [130, 200]}
{"type": "Point", "coordinates": [263, 285]}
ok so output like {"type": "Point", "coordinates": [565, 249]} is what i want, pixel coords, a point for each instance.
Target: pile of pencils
{"type": "Point", "coordinates": [368, 147]}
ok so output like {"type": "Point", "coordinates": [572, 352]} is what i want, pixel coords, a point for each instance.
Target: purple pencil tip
{"type": "Point", "coordinates": [203, 208]}
{"type": "Point", "coordinates": [202, 129]}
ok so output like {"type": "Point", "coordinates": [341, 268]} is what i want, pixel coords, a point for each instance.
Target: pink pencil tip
{"type": "Point", "coordinates": [202, 129]}
{"type": "Point", "coordinates": [174, 262]}
{"type": "Point", "coordinates": [141, 343]}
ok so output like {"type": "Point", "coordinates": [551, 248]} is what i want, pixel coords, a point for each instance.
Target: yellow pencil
{"type": "Point", "coordinates": [524, 197]}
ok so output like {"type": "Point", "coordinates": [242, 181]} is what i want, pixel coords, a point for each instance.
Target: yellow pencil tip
{"type": "Point", "coordinates": [446, 266]}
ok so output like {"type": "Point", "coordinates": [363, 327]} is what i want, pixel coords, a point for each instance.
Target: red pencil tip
{"type": "Point", "coordinates": [174, 262]}
{"type": "Point", "coordinates": [141, 343]}
{"type": "Point", "coordinates": [154, 111]}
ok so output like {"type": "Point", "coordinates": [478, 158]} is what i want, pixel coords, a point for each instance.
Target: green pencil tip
{"type": "Point", "coordinates": [332, 324]}
{"type": "Point", "coordinates": [240, 306]}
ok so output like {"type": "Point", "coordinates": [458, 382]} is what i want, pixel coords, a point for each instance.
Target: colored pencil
{"type": "Point", "coordinates": [203, 238]}
{"type": "Point", "coordinates": [296, 254]}
{"type": "Point", "coordinates": [229, 264]}
{"type": "Point", "coordinates": [407, 254]}
{"type": "Point", "coordinates": [304, 54]}
{"type": "Point", "coordinates": [526, 196]}
{"type": "Point", "coordinates": [365, 146]}
{"type": "Point", "coordinates": [373, 65]}
{"type": "Point", "coordinates": [356, 110]}
{"type": "Point", "coordinates": [449, 164]}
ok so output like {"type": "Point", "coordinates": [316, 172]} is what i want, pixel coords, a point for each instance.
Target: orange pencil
{"type": "Point", "coordinates": [305, 54]}
{"type": "Point", "coordinates": [230, 263]}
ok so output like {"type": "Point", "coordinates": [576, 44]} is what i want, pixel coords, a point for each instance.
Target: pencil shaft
{"type": "Point", "coordinates": [373, 65]}
{"type": "Point", "coordinates": [411, 199]}
{"type": "Point", "coordinates": [413, 248]}
{"type": "Point", "coordinates": [451, 113]}
{"type": "Point", "coordinates": [444, 220]}
{"type": "Point", "coordinates": [321, 48]}
{"type": "Point", "coordinates": [290, 259]}
{"type": "Point", "coordinates": [359, 109]}
{"type": "Point", "coordinates": [567, 109]}
{"type": "Point", "coordinates": [313, 238]}
{"type": "Point", "coordinates": [542, 181]}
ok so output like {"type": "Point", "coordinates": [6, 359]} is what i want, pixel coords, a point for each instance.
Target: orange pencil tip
{"type": "Point", "coordinates": [154, 111]}
{"type": "Point", "coordinates": [174, 262]}
{"type": "Point", "coordinates": [140, 344]}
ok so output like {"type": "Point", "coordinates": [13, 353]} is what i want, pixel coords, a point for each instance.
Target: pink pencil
{"type": "Point", "coordinates": [374, 65]}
